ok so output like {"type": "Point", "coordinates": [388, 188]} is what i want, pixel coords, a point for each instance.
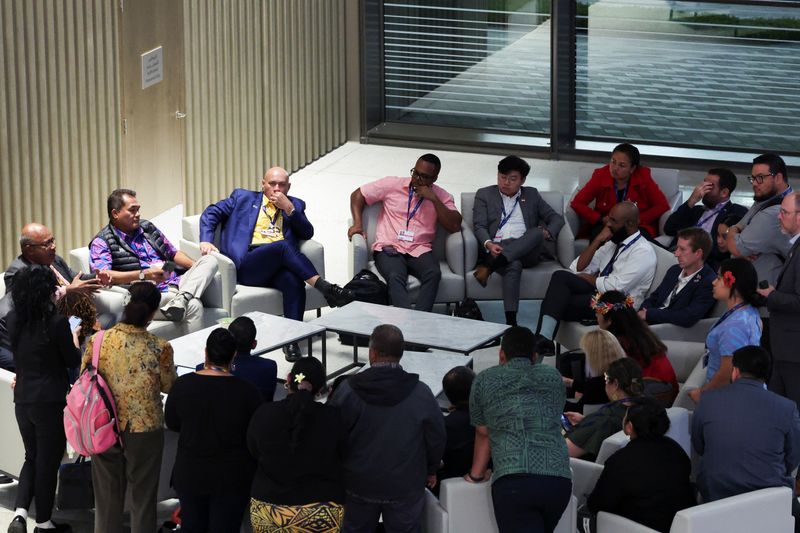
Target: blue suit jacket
{"type": "Point", "coordinates": [238, 215]}
{"type": "Point", "coordinates": [260, 371]}
{"type": "Point", "coordinates": [691, 304]}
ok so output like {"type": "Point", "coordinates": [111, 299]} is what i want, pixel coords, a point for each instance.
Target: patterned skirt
{"type": "Point", "coordinates": [324, 517]}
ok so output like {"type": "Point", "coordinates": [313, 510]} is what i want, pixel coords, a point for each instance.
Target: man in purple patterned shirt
{"type": "Point", "coordinates": [132, 249]}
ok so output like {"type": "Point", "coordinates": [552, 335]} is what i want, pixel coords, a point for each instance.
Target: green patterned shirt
{"type": "Point", "coordinates": [521, 404]}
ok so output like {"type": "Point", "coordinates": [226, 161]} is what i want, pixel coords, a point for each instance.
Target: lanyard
{"type": "Point", "coordinates": [728, 313]}
{"type": "Point", "coordinates": [409, 213]}
{"type": "Point", "coordinates": [710, 214]}
{"type": "Point", "coordinates": [506, 217]}
{"type": "Point", "coordinates": [273, 219]}
{"type": "Point", "coordinates": [610, 266]}
{"type": "Point", "coordinates": [624, 191]}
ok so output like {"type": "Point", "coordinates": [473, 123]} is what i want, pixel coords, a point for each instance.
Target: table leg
{"type": "Point", "coordinates": [310, 349]}
{"type": "Point", "coordinates": [325, 351]}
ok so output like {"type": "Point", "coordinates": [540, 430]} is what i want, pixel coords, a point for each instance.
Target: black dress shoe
{"type": "Point", "coordinates": [60, 528]}
{"type": "Point", "coordinates": [5, 480]}
{"type": "Point", "coordinates": [337, 296]}
{"type": "Point", "coordinates": [292, 352]}
{"type": "Point", "coordinates": [18, 525]}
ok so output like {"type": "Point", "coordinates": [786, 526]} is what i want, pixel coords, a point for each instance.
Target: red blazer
{"type": "Point", "coordinates": [642, 190]}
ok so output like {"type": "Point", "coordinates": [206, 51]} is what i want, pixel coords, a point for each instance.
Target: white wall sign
{"type": "Point", "coordinates": [152, 67]}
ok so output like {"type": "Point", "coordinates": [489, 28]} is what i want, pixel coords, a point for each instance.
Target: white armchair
{"type": "Point", "coordinates": [467, 508]}
{"type": "Point", "coordinates": [237, 299]}
{"type": "Point", "coordinates": [12, 451]}
{"type": "Point", "coordinates": [447, 247]}
{"type": "Point", "coordinates": [533, 284]}
{"type": "Point", "coordinates": [760, 510]}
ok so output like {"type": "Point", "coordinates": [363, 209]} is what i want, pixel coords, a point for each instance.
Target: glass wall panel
{"type": "Point", "coordinates": [468, 63]}
{"type": "Point", "coordinates": [704, 74]}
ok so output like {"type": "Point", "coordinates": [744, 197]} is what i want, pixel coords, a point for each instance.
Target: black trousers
{"type": "Point", "coordinates": [568, 297]}
{"type": "Point", "coordinates": [529, 503]}
{"type": "Point", "coordinates": [361, 515]}
{"type": "Point", "coordinates": [41, 426]}
{"type": "Point", "coordinates": [219, 513]}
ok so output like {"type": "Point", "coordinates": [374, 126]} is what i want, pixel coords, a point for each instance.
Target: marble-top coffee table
{"type": "Point", "coordinates": [272, 332]}
{"type": "Point", "coordinates": [449, 333]}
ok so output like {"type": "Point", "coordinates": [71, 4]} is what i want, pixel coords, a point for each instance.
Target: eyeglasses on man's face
{"type": "Point", "coordinates": [49, 243]}
{"type": "Point", "coordinates": [785, 213]}
{"type": "Point", "coordinates": [759, 178]}
{"type": "Point", "coordinates": [423, 177]}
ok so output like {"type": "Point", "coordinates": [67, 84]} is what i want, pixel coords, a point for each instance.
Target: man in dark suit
{"type": "Point", "coordinates": [783, 303]}
{"type": "Point", "coordinates": [511, 223]}
{"type": "Point", "coordinates": [685, 294]}
{"type": "Point", "coordinates": [260, 233]}
{"type": "Point", "coordinates": [748, 438]}
{"type": "Point", "coordinates": [708, 205]}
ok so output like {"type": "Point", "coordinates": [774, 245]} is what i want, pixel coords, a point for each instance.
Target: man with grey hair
{"type": "Point", "coordinates": [395, 442]}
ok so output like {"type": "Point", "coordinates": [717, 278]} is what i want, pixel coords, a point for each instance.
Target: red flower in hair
{"type": "Point", "coordinates": [728, 279]}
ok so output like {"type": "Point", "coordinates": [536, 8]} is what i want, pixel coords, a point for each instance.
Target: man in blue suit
{"type": "Point", "coordinates": [260, 234]}
{"type": "Point", "coordinates": [685, 294]}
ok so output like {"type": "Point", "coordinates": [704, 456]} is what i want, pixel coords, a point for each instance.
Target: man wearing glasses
{"type": "Point", "coordinates": [783, 304]}
{"type": "Point", "coordinates": [406, 229]}
{"type": "Point", "coordinates": [758, 235]}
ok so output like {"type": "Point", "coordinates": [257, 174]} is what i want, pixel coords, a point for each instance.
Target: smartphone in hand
{"type": "Point", "coordinates": [74, 322]}
{"type": "Point", "coordinates": [168, 266]}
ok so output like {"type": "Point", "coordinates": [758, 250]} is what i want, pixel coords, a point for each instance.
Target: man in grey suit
{"type": "Point", "coordinates": [783, 303]}
{"type": "Point", "coordinates": [512, 223]}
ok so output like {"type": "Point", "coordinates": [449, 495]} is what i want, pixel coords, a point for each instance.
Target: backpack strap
{"type": "Point", "coordinates": [97, 341]}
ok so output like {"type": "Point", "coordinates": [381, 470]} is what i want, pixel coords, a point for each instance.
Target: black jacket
{"type": "Point", "coordinates": [686, 217]}
{"type": "Point", "coordinates": [396, 433]}
{"type": "Point", "coordinates": [692, 303]}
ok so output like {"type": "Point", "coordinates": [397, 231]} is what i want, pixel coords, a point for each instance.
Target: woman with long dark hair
{"type": "Point", "coordinates": [615, 313]}
{"type": "Point", "coordinates": [44, 349]}
{"type": "Point", "coordinates": [739, 326]}
{"type": "Point", "coordinates": [299, 446]}
{"type": "Point", "coordinates": [211, 408]}
{"type": "Point", "coordinates": [137, 367]}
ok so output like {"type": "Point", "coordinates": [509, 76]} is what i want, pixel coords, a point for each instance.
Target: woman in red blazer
{"type": "Point", "coordinates": [622, 179]}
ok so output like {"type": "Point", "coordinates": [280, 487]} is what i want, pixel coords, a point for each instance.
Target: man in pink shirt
{"type": "Point", "coordinates": [406, 229]}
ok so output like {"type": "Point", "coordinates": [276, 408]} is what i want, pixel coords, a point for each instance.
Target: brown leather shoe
{"type": "Point", "coordinates": [482, 274]}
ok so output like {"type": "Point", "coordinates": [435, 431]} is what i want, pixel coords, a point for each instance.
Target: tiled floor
{"type": "Point", "coordinates": [326, 185]}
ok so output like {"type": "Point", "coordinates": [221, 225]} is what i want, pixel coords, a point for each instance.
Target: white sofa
{"type": "Point", "coordinates": [447, 247]}
{"type": "Point", "coordinates": [12, 451]}
{"type": "Point", "coordinates": [465, 507]}
{"type": "Point", "coordinates": [765, 510]}
{"type": "Point", "coordinates": [534, 281]}
{"type": "Point", "coordinates": [237, 299]}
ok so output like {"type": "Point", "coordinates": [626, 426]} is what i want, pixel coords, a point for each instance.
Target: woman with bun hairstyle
{"type": "Point", "coordinates": [623, 178]}
{"type": "Point", "coordinates": [651, 499]}
{"type": "Point", "coordinates": [137, 367]}
{"type": "Point", "coordinates": [739, 326]}
{"type": "Point", "coordinates": [623, 384]}
{"type": "Point", "coordinates": [615, 313]}
{"type": "Point", "coordinates": [298, 445]}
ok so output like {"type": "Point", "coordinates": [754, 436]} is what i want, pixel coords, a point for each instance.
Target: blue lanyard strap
{"type": "Point", "coordinates": [624, 191]}
{"type": "Point", "coordinates": [273, 219]}
{"type": "Point", "coordinates": [409, 213]}
{"type": "Point", "coordinates": [610, 266]}
{"type": "Point", "coordinates": [506, 217]}
{"type": "Point", "coordinates": [711, 213]}
{"type": "Point", "coordinates": [727, 313]}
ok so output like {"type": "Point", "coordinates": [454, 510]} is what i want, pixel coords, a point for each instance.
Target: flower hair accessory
{"type": "Point", "coordinates": [302, 382]}
{"type": "Point", "coordinates": [728, 279]}
{"type": "Point", "coordinates": [299, 378]}
{"type": "Point", "coordinates": [604, 307]}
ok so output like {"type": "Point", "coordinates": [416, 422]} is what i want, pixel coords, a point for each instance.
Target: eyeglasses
{"type": "Point", "coordinates": [785, 213]}
{"type": "Point", "coordinates": [423, 177]}
{"type": "Point", "coordinates": [759, 178]}
{"type": "Point", "coordinates": [606, 377]}
{"type": "Point", "coordinates": [50, 243]}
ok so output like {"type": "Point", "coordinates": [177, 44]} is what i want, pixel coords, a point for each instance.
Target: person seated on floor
{"type": "Point", "coordinates": [665, 488]}
{"type": "Point", "coordinates": [684, 295]}
{"type": "Point", "coordinates": [741, 325]}
{"type": "Point", "coordinates": [511, 223]}
{"type": "Point", "coordinates": [623, 179]}
{"type": "Point", "coordinates": [260, 371]}
{"type": "Point", "coordinates": [406, 228]}
{"type": "Point", "coordinates": [708, 205]}
{"type": "Point", "coordinates": [623, 385]}
{"type": "Point", "coordinates": [131, 249]}
{"type": "Point", "coordinates": [615, 313]}
{"type": "Point", "coordinates": [260, 233]}
{"type": "Point", "coordinates": [601, 348]}
{"type": "Point", "coordinates": [617, 259]}
{"type": "Point", "coordinates": [458, 448]}
{"type": "Point", "coordinates": [747, 437]}
{"type": "Point", "coordinates": [723, 253]}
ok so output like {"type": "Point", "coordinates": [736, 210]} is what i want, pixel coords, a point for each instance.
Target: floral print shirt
{"type": "Point", "coordinates": [137, 366]}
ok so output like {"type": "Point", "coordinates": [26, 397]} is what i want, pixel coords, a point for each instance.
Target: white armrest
{"type": "Point", "coordinates": [315, 253]}
{"type": "Point", "coordinates": [584, 477]}
{"type": "Point", "coordinates": [454, 252]}
{"type": "Point", "coordinates": [565, 245]}
{"type": "Point", "coordinates": [470, 247]}
{"type": "Point", "coordinates": [434, 517]}
{"type": "Point", "coordinates": [359, 254]}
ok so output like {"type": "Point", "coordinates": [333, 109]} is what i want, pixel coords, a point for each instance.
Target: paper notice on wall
{"type": "Point", "coordinates": [152, 67]}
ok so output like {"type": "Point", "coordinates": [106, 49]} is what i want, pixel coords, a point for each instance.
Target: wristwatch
{"type": "Point", "coordinates": [141, 275]}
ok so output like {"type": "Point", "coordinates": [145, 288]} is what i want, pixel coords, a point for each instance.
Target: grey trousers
{"type": "Point", "coordinates": [138, 467]}
{"type": "Point", "coordinates": [395, 270]}
{"type": "Point", "coordinates": [521, 253]}
{"type": "Point", "coordinates": [194, 281]}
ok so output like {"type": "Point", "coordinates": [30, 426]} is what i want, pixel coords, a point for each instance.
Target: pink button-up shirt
{"type": "Point", "coordinates": [393, 192]}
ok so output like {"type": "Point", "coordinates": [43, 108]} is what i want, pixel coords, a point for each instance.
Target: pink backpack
{"type": "Point", "coordinates": [90, 417]}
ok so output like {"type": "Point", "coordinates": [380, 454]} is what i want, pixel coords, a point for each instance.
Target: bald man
{"type": "Point", "coordinates": [260, 233]}
{"type": "Point", "coordinates": [619, 258]}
